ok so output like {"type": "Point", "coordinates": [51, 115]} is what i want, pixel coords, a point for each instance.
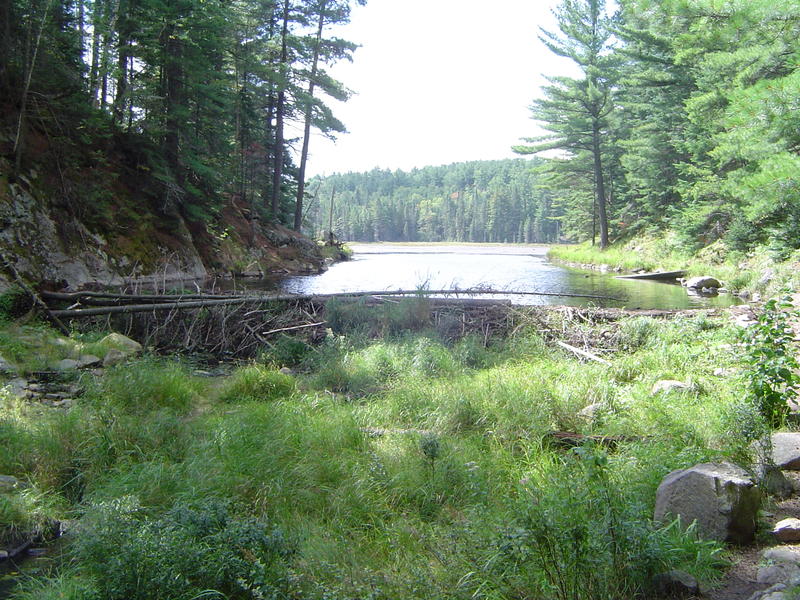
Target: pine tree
{"type": "Point", "coordinates": [576, 110]}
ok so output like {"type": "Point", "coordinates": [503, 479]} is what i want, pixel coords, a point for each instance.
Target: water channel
{"type": "Point", "coordinates": [525, 268]}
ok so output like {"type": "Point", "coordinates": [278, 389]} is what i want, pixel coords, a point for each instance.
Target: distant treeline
{"type": "Point", "coordinates": [480, 201]}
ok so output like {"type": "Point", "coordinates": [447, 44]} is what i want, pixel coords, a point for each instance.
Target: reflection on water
{"type": "Point", "coordinates": [379, 267]}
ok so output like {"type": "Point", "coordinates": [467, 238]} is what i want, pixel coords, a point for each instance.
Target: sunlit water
{"type": "Point", "coordinates": [381, 267]}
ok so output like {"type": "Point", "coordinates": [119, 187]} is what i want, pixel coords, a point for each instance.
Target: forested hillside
{"type": "Point", "coordinates": [143, 129]}
{"type": "Point", "coordinates": [683, 122]}
{"type": "Point", "coordinates": [481, 201]}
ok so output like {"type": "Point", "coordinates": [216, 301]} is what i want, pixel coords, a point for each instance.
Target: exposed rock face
{"type": "Point", "coordinates": [721, 498]}
{"type": "Point", "coordinates": [45, 242]}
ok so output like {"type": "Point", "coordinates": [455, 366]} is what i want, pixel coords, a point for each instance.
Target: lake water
{"type": "Point", "coordinates": [386, 267]}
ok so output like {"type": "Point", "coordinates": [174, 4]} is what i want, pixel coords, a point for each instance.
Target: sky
{"type": "Point", "coordinates": [437, 82]}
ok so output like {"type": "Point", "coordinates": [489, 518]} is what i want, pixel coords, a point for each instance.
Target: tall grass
{"type": "Point", "coordinates": [405, 467]}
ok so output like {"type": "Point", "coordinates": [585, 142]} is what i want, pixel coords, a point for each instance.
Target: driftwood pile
{"type": "Point", "coordinates": [243, 324]}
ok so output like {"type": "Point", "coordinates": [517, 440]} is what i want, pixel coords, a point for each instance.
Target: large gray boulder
{"type": "Point", "coordinates": [786, 450]}
{"type": "Point", "coordinates": [720, 497]}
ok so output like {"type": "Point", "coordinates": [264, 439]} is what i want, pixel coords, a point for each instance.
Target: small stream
{"type": "Point", "coordinates": [492, 266]}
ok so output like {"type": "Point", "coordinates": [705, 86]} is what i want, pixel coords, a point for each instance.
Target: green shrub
{"type": "Point", "coordinates": [256, 383]}
{"type": "Point", "coordinates": [772, 374]}
{"type": "Point", "coordinates": [193, 551]}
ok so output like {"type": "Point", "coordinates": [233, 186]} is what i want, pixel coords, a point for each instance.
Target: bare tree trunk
{"type": "Point", "coordinates": [301, 178]}
{"type": "Point", "coordinates": [108, 35]}
{"type": "Point", "coordinates": [5, 41]}
{"type": "Point", "coordinates": [123, 53]}
{"type": "Point", "coordinates": [97, 22]}
{"type": "Point", "coordinates": [277, 164]}
{"type": "Point", "coordinates": [19, 141]}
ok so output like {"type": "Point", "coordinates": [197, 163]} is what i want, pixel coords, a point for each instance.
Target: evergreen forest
{"type": "Point", "coordinates": [682, 122]}
{"type": "Point", "coordinates": [482, 201]}
{"type": "Point", "coordinates": [213, 100]}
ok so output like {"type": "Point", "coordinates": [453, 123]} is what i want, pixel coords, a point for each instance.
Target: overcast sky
{"type": "Point", "coordinates": [436, 82]}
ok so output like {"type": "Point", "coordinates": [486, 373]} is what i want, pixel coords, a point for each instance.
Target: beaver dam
{"type": "Point", "coordinates": [241, 325]}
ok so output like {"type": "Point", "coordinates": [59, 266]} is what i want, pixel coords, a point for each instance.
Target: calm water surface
{"type": "Point", "coordinates": [384, 267]}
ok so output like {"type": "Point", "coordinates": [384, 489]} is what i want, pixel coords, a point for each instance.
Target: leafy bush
{"type": "Point", "coordinates": [771, 376]}
{"type": "Point", "coordinates": [257, 382]}
{"type": "Point", "coordinates": [193, 551]}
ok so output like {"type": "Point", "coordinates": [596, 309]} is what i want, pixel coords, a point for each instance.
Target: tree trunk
{"type": "Point", "coordinates": [97, 27]}
{"type": "Point", "coordinates": [600, 188]}
{"type": "Point", "coordinates": [173, 88]}
{"type": "Point", "coordinates": [123, 52]}
{"type": "Point", "coordinates": [19, 142]}
{"type": "Point", "coordinates": [277, 159]}
{"type": "Point", "coordinates": [301, 178]}
{"type": "Point", "coordinates": [5, 42]}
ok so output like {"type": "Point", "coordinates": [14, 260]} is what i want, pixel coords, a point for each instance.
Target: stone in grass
{"type": "Point", "coordinates": [114, 357]}
{"type": "Point", "coordinates": [669, 385]}
{"type": "Point", "coordinates": [122, 343]}
{"type": "Point", "coordinates": [675, 584]}
{"type": "Point", "coordinates": [720, 497]}
{"type": "Point", "coordinates": [6, 367]}
{"type": "Point", "coordinates": [67, 364]}
{"type": "Point", "coordinates": [787, 530]}
{"type": "Point", "coordinates": [786, 450]}
{"type": "Point", "coordinates": [87, 361]}
{"type": "Point", "coordinates": [9, 484]}
{"type": "Point", "coordinates": [777, 573]}
{"type": "Point", "coordinates": [772, 481]}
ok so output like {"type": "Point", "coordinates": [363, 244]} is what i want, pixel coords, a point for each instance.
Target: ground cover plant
{"type": "Point", "coordinates": [413, 465]}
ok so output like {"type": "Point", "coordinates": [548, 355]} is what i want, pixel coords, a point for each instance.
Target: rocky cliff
{"type": "Point", "coordinates": [117, 225]}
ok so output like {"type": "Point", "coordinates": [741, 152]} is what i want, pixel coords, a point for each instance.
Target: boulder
{"type": "Point", "coordinates": [114, 357]}
{"type": "Point", "coordinates": [17, 387]}
{"type": "Point", "coordinates": [675, 584]}
{"type": "Point", "coordinates": [286, 371]}
{"type": "Point", "coordinates": [777, 573]}
{"type": "Point", "coordinates": [786, 450]}
{"type": "Point", "coordinates": [9, 484]}
{"type": "Point", "coordinates": [122, 343]}
{"type": "Point", "coordinates": [720, 497]}
{"type": "Point", "coordinates": [772, 481]}
{"type": "Point", "coordinates": [703, 281]}
{"type": "Point", "coordinates": [6, 367]}
{"type": "Point", "coordinates": [782, 554]}
{"type": "Point", "coordinates": [787, 530]}
{"type": "Point", "coordinates": [86, 361]}
{"type": "Point", "coordinates": [67, 364]}
{"type": "Point", "coordinates": [669, 385]}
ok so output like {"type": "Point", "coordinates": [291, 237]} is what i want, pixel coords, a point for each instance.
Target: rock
{"type": "Point", "coordinates": [591, 412]}
{"type": "Point", "coordinates": [6, 367]}
{"type": "Point", "coordinates": [675, 583]}
{"type": "Point", "coordinates": [122, 343]}
{"type": "Point", "coordinates": [286, 371]}
{"type": "Point", "coordinates": [787, 530]}
{"type": "Point", "coordinates": [9, 484]}
{"type": "Point", "coordinates": [17, 387]}
{"type": "Point", "coordinates": [703, 281]}
{"type": "Point", "coordinates": [67, 364]}
{"type": "Point", "coordinates": [782, 554]}
{"type": "Point", "coordinates": [744, 294]}
{"type": "Point", "coordinates": [720, 497]}
{"type": "Point", "coordinates": [724, 372]}
{"type": "Point", "coordinates": [777, 588]}
{"type": "Point", "coordinates": [3, 554]}
{"type": "Point", "coordinates": [777, 573]}
{"type": "Point", "coordinates": [669, 385]}
{"type": "Point", "coordinates": [786, 450]}
{"type": "Point", "coordinates": [86, 361]}
{"type": "Point", "coordinates": [772, 481]}
{"type": "Point", "coordinates": [114, 357]}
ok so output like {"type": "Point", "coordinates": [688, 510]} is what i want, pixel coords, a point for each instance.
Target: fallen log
{"type": "Point", "coordinates": [583, 353]}
{"type": "Point", "coordinates": [178, 304]}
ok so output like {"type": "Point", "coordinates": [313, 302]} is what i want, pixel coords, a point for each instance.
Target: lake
{"type": "Point", "coordinates": [386, 267]}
